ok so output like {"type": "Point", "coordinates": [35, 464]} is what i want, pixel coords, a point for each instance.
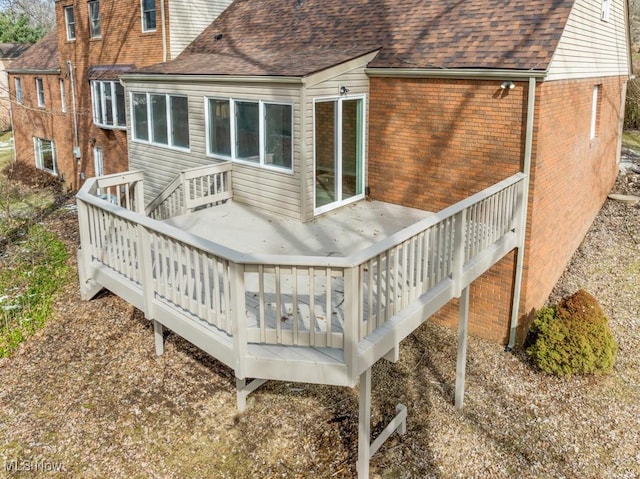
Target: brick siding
{"type": "Point", "coordinates": [438, 141]}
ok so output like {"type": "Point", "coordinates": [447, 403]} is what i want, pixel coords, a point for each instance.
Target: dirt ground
{"type": "Point", "coordinates": [88, 396]}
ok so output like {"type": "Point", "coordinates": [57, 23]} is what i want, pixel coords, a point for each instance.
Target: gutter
{"type": "Point", "coordinates": [76, 146]}
{"type": "Point", "coordinates": [196, 78]}
{"type": "Point", "coordinates": [526, 168]}
{"type": "Point", "coordinates": [34, 71]}
{"type": "Point", "coordinates": [458, 73]}
{"type": "Point", "coordinates": [165, 57]}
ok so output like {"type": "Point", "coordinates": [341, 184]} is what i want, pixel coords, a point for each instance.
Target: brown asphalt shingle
{"type": "Point", "coordinates": [288, 37]}
{"type": "Point", "coordinates": [41, 56]}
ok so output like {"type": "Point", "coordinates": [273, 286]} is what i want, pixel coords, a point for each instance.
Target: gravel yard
{"type": "Point", "coordinates": [87, 395]}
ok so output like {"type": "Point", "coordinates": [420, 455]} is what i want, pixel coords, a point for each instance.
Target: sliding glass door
{"type": "Point", "coordinates": [339, 152]}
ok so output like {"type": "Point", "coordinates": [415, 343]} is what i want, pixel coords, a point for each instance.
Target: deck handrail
{"type": "Point", "coordinates": [207, 280]}
{"type": "Point", "coordinates": [191, 189]}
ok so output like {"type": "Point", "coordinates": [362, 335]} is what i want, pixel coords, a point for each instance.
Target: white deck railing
{"type": "Point", "coordinates": [192, 189]}
{"type": "Point", "coordinates": [304, 301]}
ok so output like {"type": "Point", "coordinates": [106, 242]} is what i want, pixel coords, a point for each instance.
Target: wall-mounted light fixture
{"type": "Point", "coordinates": [507, 85]}
{"type": "Point", "coordinates": [344, 90]}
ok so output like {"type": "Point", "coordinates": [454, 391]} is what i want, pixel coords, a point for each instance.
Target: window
{"type": "Point", "coordinates": [606, 9]}
{"type": "Point", "coordinates": [71, 23]}
{"type": "Point", "coordinates": [94, 19]}
{"type": "Point", "coordinates": [259, 133]}
{"type": "Point", "coordinates": [63, 97]}
{"type": "Point", "coordinates": [148, 15]}
{"type": "Point", "coordinates": [595, 112]}
{"type": "Point", "coordinates": [45, 155]}
{"type": "Point", "coordinates": [108, 104]}
{"type": "Point", "coordinates": [40, 91]}
{"type": "Point", "coordinates": [161, 119]}
{"type": "Point", "coordinates": [18, 85]}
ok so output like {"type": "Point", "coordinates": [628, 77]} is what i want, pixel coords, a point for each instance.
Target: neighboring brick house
{"type": "Point", "coordinates": [430, 102]}
{"type": "Point", "coordinates": [8, 53]}
{"type": "Point", "coordinates": [81, 119]}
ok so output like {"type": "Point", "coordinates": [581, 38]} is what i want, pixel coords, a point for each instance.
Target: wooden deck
{"type": "Point", "coordinates": [316, 303]}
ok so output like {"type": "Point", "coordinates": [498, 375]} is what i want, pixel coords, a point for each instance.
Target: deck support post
{"type": "Point", "coordinates": [367, 449]}
{"type": "Point", "coordinates": [461, 364]}
{"type": "Point", "coordinates": [243, 389]}
{"type": "Point", "coordinates": [158, 336]}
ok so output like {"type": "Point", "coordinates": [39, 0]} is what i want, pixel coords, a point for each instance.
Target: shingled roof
{"type": "Point", "coordinates": [12, 50]}
{"type": "Point", "coordinates": [42, 56]}
{"type": "Point", "coordinates": [299, 37]}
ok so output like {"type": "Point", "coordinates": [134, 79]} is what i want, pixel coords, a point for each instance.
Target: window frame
{"type": "Point", "coordinates": [169, 114]}
{"type": "Point", "coordinates": [99, 99]}
{"type": "Point", "coordinates": [95, 24]}
{"type": "Point", "coordinates": [38, 151]}
{"type": "Point", "coordinates": [143, 12]}
{"type": "Point", "coordinates": [63, 96]}
{"type": "Point", "coordinates": [605, 13]}
{"type": "Point", "coordinates": [262, 147]}
{"type": "Point", "coordinates": [596, 100]}
{"type": "Point", "coordinates": [40, 92]}
{"type": "Point", "coordinates": [70, 23]}
{"type": "Point", "coordinates": [17, 83]}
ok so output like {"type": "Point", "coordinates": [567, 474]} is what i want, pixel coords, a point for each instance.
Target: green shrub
{"type": "Point", "coordinates": [573, 338]}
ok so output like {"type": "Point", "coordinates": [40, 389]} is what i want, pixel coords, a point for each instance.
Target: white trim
{"type": "Point", "coordinates": [17, 83]}
{"type": "Point", "coordinates": [68, 24]}
{"type": "Point", "coordinates": [142, 12]}
{"type": "Point", "coordinates": [169, 118]}
{"type": "Point", "coordinates": [261, 133]}
{"type": "Point", "coordinates": [94, 23]}
{"type": "Point", "coordinates": [606, 10]}
{"type": "Point", "coordinates": [594, 112]}
{"type": "Point", "coordinates": [101, 121]}
{"type": "Point", "coordinates": [339, 202]}
{"type": "Point", "coordinates": [40, 92]}
{"type": "Point", "coordinates": [37, 149]}
{"type": "Point", "coordinates": [63, 96]}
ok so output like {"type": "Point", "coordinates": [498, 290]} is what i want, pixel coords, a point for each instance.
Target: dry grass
{"type": "Point", "coordinates": [88, 393]}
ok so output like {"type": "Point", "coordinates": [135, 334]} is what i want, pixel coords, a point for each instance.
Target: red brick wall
{"type": "Point", "coordinates": [435, 142]}
{"type": "Point", "coordinates": [122, 42]}
{"type": "Point", "coordinates": [48, 122]}
{"type": "Point", "coordinates": [571, 177]}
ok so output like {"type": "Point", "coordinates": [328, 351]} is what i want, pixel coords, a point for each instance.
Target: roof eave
{"type": "Point", "coordinates": [458, 73]}
{"type": "Point", "coordinates": [33, 71]}
{"type": "Point", "coordinates": [196, 78]}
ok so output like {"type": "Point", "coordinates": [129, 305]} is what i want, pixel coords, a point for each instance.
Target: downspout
{"type": "Point", "coordinates": [526, 169]}
{"type": "Point", "coordinates": [76, 145]}
{"type": "Point", "coordinates": [164, 31]}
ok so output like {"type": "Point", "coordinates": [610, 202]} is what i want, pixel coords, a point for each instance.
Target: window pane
{"type": "Point", "coordinates": [351, 148]}
{"type": "Point", "coordinates": [149, 14]}
{"type": "Point", "coordinates": [247, 131]}
{"type": "Point", "coordinates": [94, 19]}
{"type": "Point", "coordinates": [179, 121]}
{"type": "Point", "coordinates": [40, 90]}
{"type": "Point", "coordinates": [97, 103]}
{"type": "Point", "coordinates": [107, 114]}
{"type": "Point", "coordinates": [71, 26]}
{"type": "Point", "coordinates": [277, 135]}
{"type": "Point", "coordinates": [140, 120]}
{"type": "Point", "coordinates": [18, 82]}
{"type": "Point", "coordinates": [325, 150]}
{"type": "Point", "coordinates": [120, 108]}
{"type": "Point", "coordinates": [219, 127]}
{"type": "Point", "coordinates": [159, 119]}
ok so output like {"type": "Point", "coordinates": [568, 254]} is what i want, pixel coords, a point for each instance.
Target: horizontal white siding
{"type": "Point", "coordinates": [591, 47]}
{"type": "Point", "coordinates": [188, 18]}
{"type": "Point", "coordinates": [355, 79]}
{"type": "Point", "coordinates": [270, 190]}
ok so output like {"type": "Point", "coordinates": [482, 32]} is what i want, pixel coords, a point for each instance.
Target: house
{"type": "Point", "coordinates": [69, 108]}
{"type": "Point", "coordinates": [501, 119]}
{"type": "Point", "coordinates": [8, 53]}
